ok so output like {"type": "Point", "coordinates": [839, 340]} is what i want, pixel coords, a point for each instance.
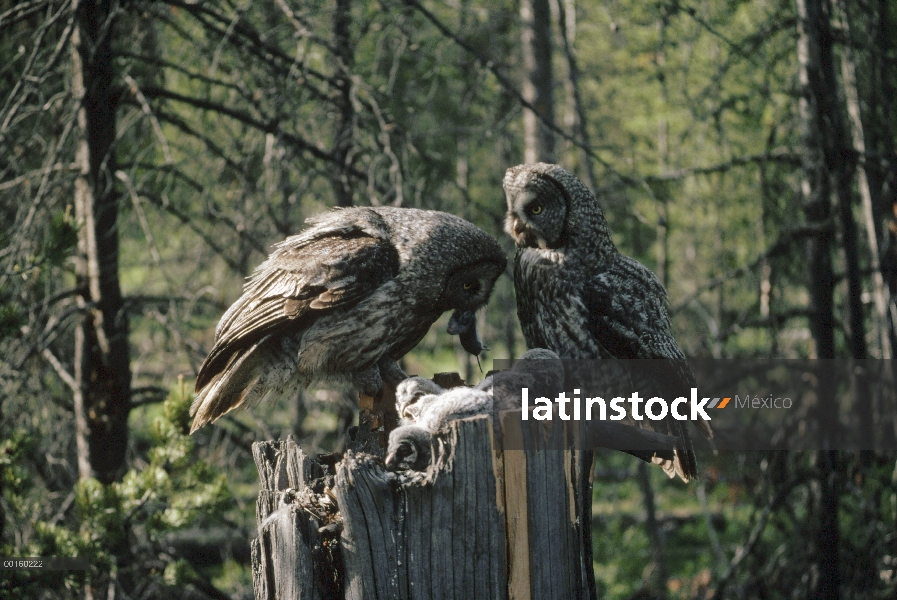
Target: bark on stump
{"type": "Point", "coordinates": [479, 523]}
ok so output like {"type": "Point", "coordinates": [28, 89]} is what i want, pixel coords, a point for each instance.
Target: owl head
{"type": "Point", "coordinates": [409, 449]}
{"type": "Point", "coordinates": [454, 263]}
{"type": "Point", "coordinates": [469, 286]}
{"type": "Point", "coordinates": [543, 201]}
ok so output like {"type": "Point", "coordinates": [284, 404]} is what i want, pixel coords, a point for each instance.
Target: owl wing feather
{"type": "Point", "coordinates": [628, 317]}
{"type": "Point", "coordinates": [306, 277]}
{"type": "Point", "coordinates": [551, 310]}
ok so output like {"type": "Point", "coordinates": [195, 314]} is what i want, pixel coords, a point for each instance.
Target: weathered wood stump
{"type": "Point", "coordinates": [479, 523]}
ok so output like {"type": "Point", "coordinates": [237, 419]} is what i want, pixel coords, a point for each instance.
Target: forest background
{"type": "Point", "coordinates": [152, 152]}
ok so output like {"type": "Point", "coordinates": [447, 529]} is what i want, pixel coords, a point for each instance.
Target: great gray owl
{"type": "Point", "coordinates": [578, 295]}
{"type": "Point", "coordinates": [346, 299]}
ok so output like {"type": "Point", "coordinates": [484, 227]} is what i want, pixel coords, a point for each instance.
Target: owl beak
{"type": "Point", "coordinates": [519, 228]}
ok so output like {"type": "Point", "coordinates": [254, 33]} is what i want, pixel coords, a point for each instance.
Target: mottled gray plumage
{"type": "Point", "coordinates": [410, 445]}
{"type": "Point", "coordinates": [345, 299]}
{"type": "Point", "coordinates": [539, 370]}
{"type": "Point", "coordinates": [409, 392]}
{"type": "Point", "coordinates": [425, 408]}
{"type": "Point", "coordinates": [578, 295]}
{"type": "Point", "coordinates": [410, 448]}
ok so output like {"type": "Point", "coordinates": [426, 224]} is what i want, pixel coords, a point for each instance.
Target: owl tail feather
{"type": "Point", "coordinates": [684, 463]}
{"type": "Point", "coordinates": [235, 386]}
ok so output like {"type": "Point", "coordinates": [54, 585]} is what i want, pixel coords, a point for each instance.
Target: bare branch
{"type": "Point", "coordinates": [774, 320]}
{"type": "Point", "coordinates": [268, 127]}
{"type": "Point", "coordinates": [189, 222]}
{"type": "Point", "coordinates": [246, 33]}
{"type": "Point", "coordinates": [693, 13]}
{"type": "Point", "coordinates": [20, 12]}
{"type": "Point", "coordinates": [512, 89]}
{"type": "Point", "coordinates": [141, 217]}
{"type": "Point", "coordinates": [774, 503]}
{"type": "Point", "coordinates": [144, 300]}
{"type": "Point", "coordinates": [32, 174]}
{"type": "Point", "coordinates": [147, 394]}
{"type": "Point", "coordinates": [782, 155]}
{"type": "Point", "coordinates": [209, 144]}
{"type": "Point", "coordinates": [61, 45]}
{"type": "Point", "coordinates": [157, 128]}
{"type": "Point", "coordinates": [302, 27]}
{"type": "Point", "coordinates": [64, 375]}
{"type": "Point", "coordinates": [779, 247]}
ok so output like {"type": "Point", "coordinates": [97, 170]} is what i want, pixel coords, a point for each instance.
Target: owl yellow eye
{"type": "Point", "coordinates": [535, 210]}
{"type": "Point", "coordinates": [468, 285]}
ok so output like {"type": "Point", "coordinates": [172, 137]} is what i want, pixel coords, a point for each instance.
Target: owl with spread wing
{"type": "Point", "coordinates": [345, 300]}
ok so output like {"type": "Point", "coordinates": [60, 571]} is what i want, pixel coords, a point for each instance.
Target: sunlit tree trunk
{"type": "Point", "coordinates": [102, 370]}
{"type": "Point", "coordinates": [880, 293]}
{"type": "Point", "coordinates": [575, 115]}
{"type": "Point", "coordinates": [879, 139]}
{"type": "Point", "coordinates": [535, 27]}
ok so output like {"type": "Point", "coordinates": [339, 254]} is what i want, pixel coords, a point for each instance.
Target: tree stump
{"type": "Point", "coordinates": [479, 523]}
{"type": "Point", "coordinates": [378, 416]}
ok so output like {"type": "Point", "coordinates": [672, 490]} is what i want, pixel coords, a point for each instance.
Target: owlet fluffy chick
{"type": "Point", "coordinates": [410, 445]}
{"type": "Point", "coordinates": [344, 300]}
{"type": "Point", "coordinates": [425, 408]}
{"type": "Point", "coordinates": [579, 296]}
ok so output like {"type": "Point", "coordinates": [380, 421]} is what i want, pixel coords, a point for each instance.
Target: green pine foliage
{"type": "Point", "coordinates": [124, 529]}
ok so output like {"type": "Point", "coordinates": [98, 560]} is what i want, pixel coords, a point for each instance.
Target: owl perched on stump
{"type": "Point", "coordinates": [579, 296]}
{"type": "Point", "coordinates": [344, 300]}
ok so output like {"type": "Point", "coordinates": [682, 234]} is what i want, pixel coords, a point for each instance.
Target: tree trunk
{"type": "Point", "coordinates": [659, 575]}
{"type": "Point", "coordinates": [102, 368]}
{"type": "Point", "coordinates": [825, 170]}
{"type": "Point", "coordinates": [878, 137]}
{"type": "Point", "coordinates": [880, 293]}
{"type": "Point", "coordinates": [575, 115]}
{"type": "Point", "coordinates": [345, 125]}
{"type": "Point", "coordinates": [535, 33]}
{"type": "Point", "coordinates": [288, 556]}
{"type": "Point", "coordinates": [479, 523]}
{"type": "Point", "coordinates": [816, 185]}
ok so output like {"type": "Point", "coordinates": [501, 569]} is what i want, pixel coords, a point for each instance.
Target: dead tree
{"type": "Point", "coordinates": [500, 513]}
{"type": "Point", "coordinates": [480, 523]}
{"type": "Point", "coordinates": [102, 375]}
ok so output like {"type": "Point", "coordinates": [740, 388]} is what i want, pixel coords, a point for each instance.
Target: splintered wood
{"type": "Point", "coordinates": [479, 523]}
{"type": "Point", "coordinates": [378, 416]}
